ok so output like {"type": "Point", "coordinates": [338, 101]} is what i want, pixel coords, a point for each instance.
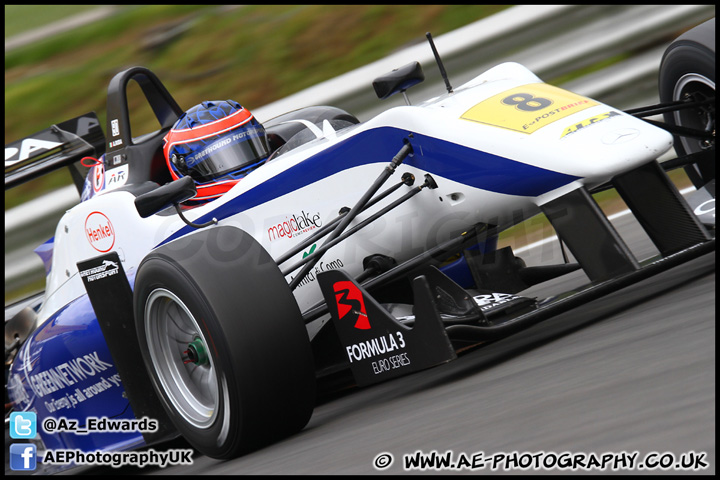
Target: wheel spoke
{"type": "Point", "coordinates": [191, 387]}
{"type": "Point", "coordinates": [178, 319]}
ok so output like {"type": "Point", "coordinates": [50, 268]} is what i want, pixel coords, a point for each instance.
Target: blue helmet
{"type": "Point", "coordinates": [216, 143]}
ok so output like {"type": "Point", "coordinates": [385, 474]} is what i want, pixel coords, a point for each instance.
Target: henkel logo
{"type": "Point", "coordinates": [349, 300]}
{"type": "Point", "coordinates": [99, 232]}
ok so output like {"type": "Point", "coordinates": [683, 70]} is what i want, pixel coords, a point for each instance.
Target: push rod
{"type": "Point", "coordinates": [328, 245]}
{"type": "Point", "coordinates": [408, 179]}
{"type": "Point", "coordinates": [354, 211]}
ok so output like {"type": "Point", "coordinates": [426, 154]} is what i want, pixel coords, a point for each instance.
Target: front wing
{"type": "Point", "coordinates": [445, 317]}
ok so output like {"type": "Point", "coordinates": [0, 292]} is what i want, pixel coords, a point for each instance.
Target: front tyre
{"type": "Point", "coordinates": [687, 72]}
{"type": "Point", "coordinates": [224, 342]}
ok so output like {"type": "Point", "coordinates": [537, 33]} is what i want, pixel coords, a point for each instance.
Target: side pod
{"type": "Point", "coordinates": [377, 346]}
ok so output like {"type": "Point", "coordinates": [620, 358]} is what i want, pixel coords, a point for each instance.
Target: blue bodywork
{"type": "Point", "coordinates": [65, 370]}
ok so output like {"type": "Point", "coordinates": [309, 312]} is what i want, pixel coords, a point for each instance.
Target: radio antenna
{"type": "Point", "coordinates": [439, 62]}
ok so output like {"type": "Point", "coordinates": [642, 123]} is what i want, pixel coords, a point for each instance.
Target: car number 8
{"type": "Point", "coordinates": [526, 102]}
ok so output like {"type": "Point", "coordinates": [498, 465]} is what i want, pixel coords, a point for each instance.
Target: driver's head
{"type": "Point", "coordinates": [216, 143]}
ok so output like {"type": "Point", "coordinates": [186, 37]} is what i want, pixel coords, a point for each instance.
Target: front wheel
{"type": "Point", "coordinates": [224, 342]}
{"type": "Point", "coordinates": [687, 73]}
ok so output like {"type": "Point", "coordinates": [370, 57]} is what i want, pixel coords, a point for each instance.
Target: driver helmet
{"type": "Point", "coordinates": [216, 143]}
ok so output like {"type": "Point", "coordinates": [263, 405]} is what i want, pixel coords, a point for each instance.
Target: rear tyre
{"type": "Point", "coordinates": [687, 71]}
{"type": "Point", "coordinates": [224, 342]}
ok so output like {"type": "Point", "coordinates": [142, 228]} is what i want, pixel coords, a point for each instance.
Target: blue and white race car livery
{"type": "Point", "coordinates": [358, 250]}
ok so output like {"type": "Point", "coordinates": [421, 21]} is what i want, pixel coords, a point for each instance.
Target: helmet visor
{"type": "Point", "coordinates": [237, 151]}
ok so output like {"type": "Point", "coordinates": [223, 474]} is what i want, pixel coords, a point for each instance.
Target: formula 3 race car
{"type": "Point", "coordinates": [219, 321]}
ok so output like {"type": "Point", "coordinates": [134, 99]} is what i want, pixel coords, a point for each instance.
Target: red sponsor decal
{"type": "Point", "coordinates": [100, 232]}
{"type": "Point", "coordinates": [349, 300]}
{"type": "Point", "coordinates": [98, 177]}
{"type": "Point", "coordinates": [295, 225]}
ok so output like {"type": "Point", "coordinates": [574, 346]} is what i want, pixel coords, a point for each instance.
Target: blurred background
{"type": "Point", "coordinates": [60, 58]}
{"type": "Point", "coordinates": [255, 54]}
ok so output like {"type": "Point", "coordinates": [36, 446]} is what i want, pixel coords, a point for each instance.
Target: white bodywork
{"type": "Point", "coordinates": [574, 136]}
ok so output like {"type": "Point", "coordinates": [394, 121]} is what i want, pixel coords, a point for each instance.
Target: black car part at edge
{"type": "Point", "coordinates": [687, 74]}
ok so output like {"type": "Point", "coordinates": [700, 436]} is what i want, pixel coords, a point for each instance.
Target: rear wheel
{"type": "Point", "coordinates": [687, 73]}
{"type": "Point", "coordinates": [224, 342]}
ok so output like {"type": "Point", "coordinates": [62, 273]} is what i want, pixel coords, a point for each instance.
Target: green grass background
{"type": "Point", "coordinates": [21, 18]}
{"type": "Point", "coordinates": [254, 54]}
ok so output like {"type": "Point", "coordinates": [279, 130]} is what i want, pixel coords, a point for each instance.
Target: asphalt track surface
{"type": "Point", "coordinates": [630, 373]}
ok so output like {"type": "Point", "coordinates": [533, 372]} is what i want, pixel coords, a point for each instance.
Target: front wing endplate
{"type": "Point", "coordinates": [377, 346]}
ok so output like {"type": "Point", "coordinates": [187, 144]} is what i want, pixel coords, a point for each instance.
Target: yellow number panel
{"type": "Point", "coordinates": [527, 108]}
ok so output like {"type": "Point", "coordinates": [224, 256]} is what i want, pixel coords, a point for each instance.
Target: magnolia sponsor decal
{"type": "Point", "coordinates": [294, 225]}
{"type": "Point", "coordinates": [100, 232]}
